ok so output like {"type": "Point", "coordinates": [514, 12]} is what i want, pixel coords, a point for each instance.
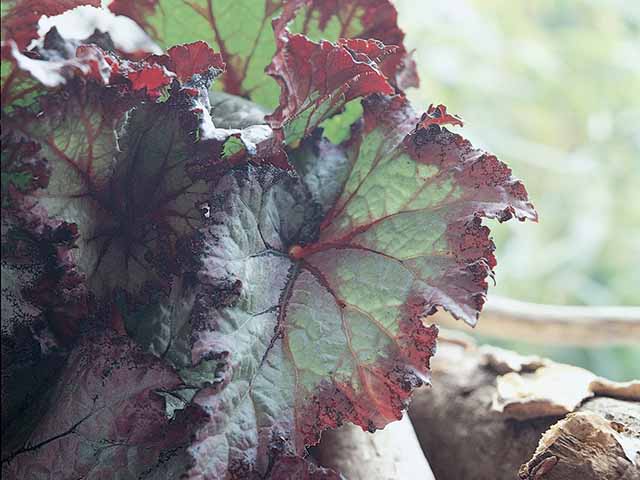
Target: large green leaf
{"type": "Point", "coordinates": [314, 285]}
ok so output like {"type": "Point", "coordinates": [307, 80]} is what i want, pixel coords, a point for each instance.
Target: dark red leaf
{"type": "Point", "coordinates": [438, 116]}
{"type": "Point", "coordinates": [151, 78]}
{"type": "Point", "coordinates": [318, 79]}
{"type": "Point", "coordinates": [366, 19]}
{"type": "Point", "coordinates": [193, 59]}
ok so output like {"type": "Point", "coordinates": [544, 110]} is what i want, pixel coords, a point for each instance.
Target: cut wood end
{"type": "Point", "coordinates": [587, 446]}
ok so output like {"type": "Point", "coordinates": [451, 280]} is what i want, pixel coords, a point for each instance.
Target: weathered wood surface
{"type": "Point", "coordinates": [392, 453]}
{"type": "Point", "coordinates": [599, 441]}
{"type": "Point", "coordinates": [471, 429]}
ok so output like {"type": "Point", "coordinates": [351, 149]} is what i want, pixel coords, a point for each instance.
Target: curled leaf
{"type": "Point", "coordinates": [242, 33]}
{"type": "Point", "coordinates": [366, 19]}
{"type": "Point", "coordinates": [318, 79]}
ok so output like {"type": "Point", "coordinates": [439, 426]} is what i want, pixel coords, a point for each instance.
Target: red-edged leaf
{"type": "Point", "coordinates": [96, 141]}
{"type": "Point", "coordinates": [241, 32]}
{"type": "Point", "coordinates": [191, 59]}
{"type": "Point", "coordinates": [417, 193]}
{"type": "Point", "coordinates": [341, 295]}
{"type": "Point", "coordinates": [124, 181]}
{"type": "Point", "coordinates": [366, 19]}
{"type": "Point", "coordinates": [338, 351]}
{"type": "Point", "coordinates": [318, 79]}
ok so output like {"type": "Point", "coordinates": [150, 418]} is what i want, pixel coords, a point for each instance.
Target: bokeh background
{"type": "Point", "coordinates": [552, 87]}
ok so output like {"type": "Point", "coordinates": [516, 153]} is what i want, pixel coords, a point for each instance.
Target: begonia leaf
{"type": "Point", "coordinates": [314, 284]}
{"type": "Point", "coordinates": [242, 32]}
{"type": "Point", "coordinates": [197, 284]}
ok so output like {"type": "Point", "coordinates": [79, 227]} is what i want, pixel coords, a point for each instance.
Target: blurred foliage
{"type": "Point", "coordinates": [552, 87]}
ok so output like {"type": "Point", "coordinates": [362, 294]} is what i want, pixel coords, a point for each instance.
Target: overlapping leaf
{"type": "Point", "coordinates": [23, 42]}
{"type": "Point", "coordinates": [124, 180]}
{"type": "Point", "coordinates": [318, 79]}
{"type": "Point", "coordinates": [418, 197]}
{"type": "Point", "coordinates": [73, 227]}
{"type": "Point", "coordinates": [366, 19]}
{"type": "Point", "coordinates": [241, 31]}
{"type": "Point", "coordinates": [282, 327]}
{"type": "Point", "coordinates": [107, 419]}
{"type": "Point", "coordinates": [294, 360]}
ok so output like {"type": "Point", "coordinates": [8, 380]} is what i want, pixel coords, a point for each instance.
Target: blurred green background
{"type": "Point", "coordinates": [552, 87]}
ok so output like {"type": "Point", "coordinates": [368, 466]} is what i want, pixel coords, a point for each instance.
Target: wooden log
{"type": "Point", "coordinates": [553, 324]}
{"type": "Point", "coordinates": [467, 433]}
{"type": "Point", "coordinates": [392, 453]}
{"type": "Point", "coordinates": [596, 442]}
